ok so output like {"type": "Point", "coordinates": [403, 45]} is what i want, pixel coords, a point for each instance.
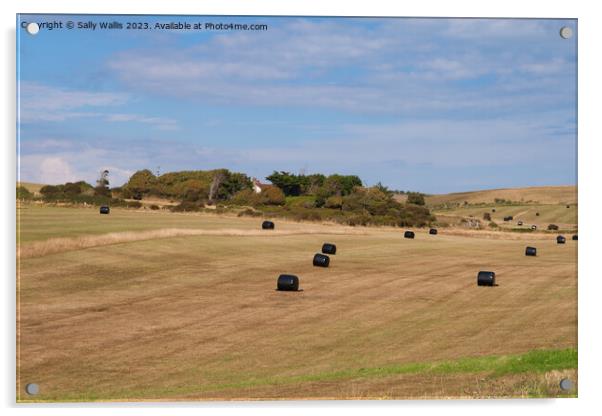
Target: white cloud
{"type": "Point", "coordinates": [494, 29]}
{"type": "Point", "coordinates": [43, 103]}
{"type": "Point", "coordinates": [161, 123]}
{"type": "Point", "coordinates": [46, 169]}
{"type": "Point", "coordinates": [39, 102]}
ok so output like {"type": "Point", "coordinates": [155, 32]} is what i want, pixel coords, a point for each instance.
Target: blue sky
{"type": "Point", "coordinates": [434, 105]}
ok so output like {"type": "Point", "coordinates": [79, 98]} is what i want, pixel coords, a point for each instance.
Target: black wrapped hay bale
{"type": "Point", "coordinates": [433, 231]}
{"type": "Point", "coordinates": [534, 227]}
{"type": "Point", "coordinates": [537, 214]}
{"type": "Point", "coordinates": [560, 239]}
{"type": "Point", "coordinates": [267, 225]}
{"type": "Point", "coordinates": [329, 248]}
{"type": "Point", "coordinates": [408, 234]}
{"type": "Point", "coordinates": [575, 237]}
{"type": "Point", "coordinates": [493, 210]}
{"type": "Point", "coordinates": [321, 260]}
{"type": "Point", "coordinates": [486, 278]}
{"type": "Point", "coordinates": [105, 209]}
{"type": "Point", "coordinates": [530, 251]}
{"type": "Point", "coordinates": [288, 282]}
{"type": "Point", "coordinates": [508, 218]}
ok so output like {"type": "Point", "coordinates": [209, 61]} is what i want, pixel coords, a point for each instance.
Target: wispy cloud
{"type": "Point", "coordinates": [161, 123]}
{"type": "Point", "coordinates": [38, 102]}
{"type": "Point", "coordinates": [43, 103]}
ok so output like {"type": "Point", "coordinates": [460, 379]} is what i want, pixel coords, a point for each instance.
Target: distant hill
{"type": "Point", "coordinates": [537, 194]}
{"type": "Point", "coordinates": [34, 188]}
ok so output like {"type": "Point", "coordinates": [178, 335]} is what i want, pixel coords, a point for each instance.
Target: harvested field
{"type": "Point", "coordinates": [161, 306]}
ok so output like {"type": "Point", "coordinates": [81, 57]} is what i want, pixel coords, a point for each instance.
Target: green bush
{"type": "Point", "coordinates": [248, 212]}
{"type": "Point", "coordinates": [335, 202]}
{"type": "Point", "coordinates": [270, 195]}
{"type": "Point", "coordinates": [154, 207]}
{"type": "Point", "coordinates": [307, 215]}
{"type": "Point", "coordinates": [415, 198]}
{"type": "Point", "coordinates": [23, 193]}
{"type": "Point", "coordinates": [186, 206]}
{"type": "Point", "coordinates": [192, 185]}
{"type": "Point", "coordinates": [552, 227]}
{"type": "Point", "coordinates": [487, 216]}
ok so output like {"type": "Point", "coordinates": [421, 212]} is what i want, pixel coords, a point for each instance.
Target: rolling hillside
{"type": "Point", "coordinates": [34, 188]}
{"type": "Point", "coordinates": [540, 194]}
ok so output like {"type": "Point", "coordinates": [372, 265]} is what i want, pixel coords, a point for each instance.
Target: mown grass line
{"type": "Point", "coordinates": [535, 361]}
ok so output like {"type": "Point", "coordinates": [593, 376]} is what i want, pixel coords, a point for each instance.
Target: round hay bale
{"type": "Point", "coordinates": [104, 209]}
{"type": "Point", "coordinates": [568, 206]}
{"type": "Point", "coordinates": [575, 237]}
{"type": "Point", "coordinates": [267, 225]}
{"type": "Point", "coordinates": [408, 234]}
{"type": "Point", "coordinates": [530, 251]}
{"type": "Point", "coordinates": [493, 210]}
{"type": "Point", "coordinates": [537, 214]}
{"type": "Point", "coordinates": [519, 223]}
{"type": "Point", "coordinates": [486, 278]}
{"type": "Point", "coordinates": [329, 248]}
{"type": "Point", "coordinates": [433, 231]}
{"type": "Point", "coordinates": [288, 282]}
{"type": "Point", "coordinates": [321, 260]}
{"type": "Point", "coordinates": [534, 227]}
{"type": "Point", "coordinates": [560, 239]}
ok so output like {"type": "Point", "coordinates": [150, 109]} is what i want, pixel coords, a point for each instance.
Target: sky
{"type": "Point", "coordinates": [429, 105]}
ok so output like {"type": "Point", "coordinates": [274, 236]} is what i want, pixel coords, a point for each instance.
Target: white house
{"type": "Point", "coordinates": [257, 186]}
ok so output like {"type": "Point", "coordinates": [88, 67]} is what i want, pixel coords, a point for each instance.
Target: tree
{"type": "Point", "coordinates": [141, 182]}
{"type": "Point", "coordinates": [371, 200]}
{"type": "Point", "coordinates": [415, 198]}
{"type": "Point", "coordinates": [218, 178]}
{"type": "Point", "coordinates": [272, 195]}
{"type": "Point", "coordinates": [72, 189]}
{"type": "Point", "coordinates": [289, 183]}
{"type": "Point", "coordinates": [312, 183]}
{"type": "Point", "coordinates": [233, 183]}
{"type": "Point", "coordinates": [23, 193]}
{"type": "Point", "coordinates": [102, 184]}
{"type": "Point", "coordinates": [48, 190]}
{"type": "Point", "coordinates": [383, 189]}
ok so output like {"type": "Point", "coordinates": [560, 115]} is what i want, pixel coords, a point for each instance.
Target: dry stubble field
{"type": "Point", "coordinates": [184, 307]}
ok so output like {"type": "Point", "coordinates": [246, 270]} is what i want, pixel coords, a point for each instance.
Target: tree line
{"type": "Point", "coordinates": [336, 197]}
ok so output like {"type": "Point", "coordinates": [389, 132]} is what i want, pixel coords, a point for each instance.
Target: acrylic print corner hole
{"type": "Point", "coordinates": [261, 208]}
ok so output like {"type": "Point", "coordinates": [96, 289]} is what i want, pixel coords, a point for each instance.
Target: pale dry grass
{"type": "Point", "coordinates": [34, 188]}
{"type": "Point", "coordinates": [498, 235]}
{"type": "Point", "coordinates": [542, 194]}
{"type": "Point", "coordinates": [63, 244]}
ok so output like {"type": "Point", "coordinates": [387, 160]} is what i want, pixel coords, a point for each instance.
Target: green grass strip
{"type": "Point", "coordinates": [535, 361]}
{"type": "Point", "coordinates": [538, 361]}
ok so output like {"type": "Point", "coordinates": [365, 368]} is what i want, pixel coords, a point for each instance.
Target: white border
{"type": "Point", "coordinates": [590, 295]}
